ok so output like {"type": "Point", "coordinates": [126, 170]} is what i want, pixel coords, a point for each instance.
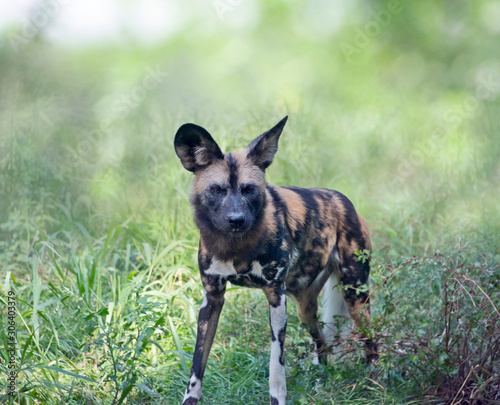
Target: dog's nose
{"type": "Point", "coordinates": [236, 220]}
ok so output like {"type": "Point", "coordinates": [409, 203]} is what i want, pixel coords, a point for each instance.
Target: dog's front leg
{"type": "Point", "coordinates": [277, 317]}
{"type": "Point", "coordinates": [207, 325]}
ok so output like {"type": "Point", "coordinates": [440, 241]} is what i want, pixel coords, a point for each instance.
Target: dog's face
{"type": "Point", "coordinates": [229, 189]}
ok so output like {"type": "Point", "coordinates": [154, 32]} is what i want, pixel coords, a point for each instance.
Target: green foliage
{"type": "Point", "coordinates": [442, 324]}
{"type": "Point", "coordinates": [363, 255]}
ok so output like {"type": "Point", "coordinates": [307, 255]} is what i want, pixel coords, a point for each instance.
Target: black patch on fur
{"type": "Point", "coordinates": [274, 250]}
{"type": "Point", "coordinates": [280, 206]}
{"type": "Point", "coordinates": [233, 171]}
{"type": "Point", "coordinates": [248, 280]}
{"type": "Point", "coordinates": [351, 295]}
{"type": "Point", "coordinates": [269, 272]}
{"type": "Point", "coordinates": [352, 224]}
{"type": "Point", "coordinates": [188, 138]}
{"type": "Point", "coordinates": [204, 261]}
{"type": "Point", "coordinates": [274, 401]}
{"type": "Point", "coordinates": [263, 148]}
{"type": "Point", "coordinates": [281, 338]}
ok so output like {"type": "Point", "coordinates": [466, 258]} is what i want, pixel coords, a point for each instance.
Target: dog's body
{"type": "Point", "coordinates": [280, 239]}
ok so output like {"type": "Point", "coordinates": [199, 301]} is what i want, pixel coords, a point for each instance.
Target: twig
{"type": "Point", "coordinates": [478, 286]}
{"type": "Point", "coordinates": [467, 292]}
{"type": "Point", "coordinates": [468, 375]}
{"type": "Point", "coordinates": [385, 281]}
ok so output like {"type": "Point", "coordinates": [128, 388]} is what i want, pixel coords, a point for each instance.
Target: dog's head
{"type": "Point", "coordinates": [229, 189]}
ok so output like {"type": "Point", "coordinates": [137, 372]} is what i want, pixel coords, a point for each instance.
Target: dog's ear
{"type": "Point", "coordinates": [262, 149]}
{"type": "Point", "coordinates": [196, 147]}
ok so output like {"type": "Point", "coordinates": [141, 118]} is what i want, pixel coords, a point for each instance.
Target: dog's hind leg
{"type": "Point", "coordinates": [353, 275]}
{"type": "Point", "coordinates": [307, 309]}
{"type": "Point", "coordinates": [335, 313]}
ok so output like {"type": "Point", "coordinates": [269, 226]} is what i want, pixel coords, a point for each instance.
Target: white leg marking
{"type": "Point", "coordinates": [205, 301]}
{"type": "Point", "coordinates": [277, 378]}
{"type": "Point", "coordinates": [333, 304]}
{"type": "Point", "coordinates": [194, 389]}
{"type": "Point", "coordinates": [316, 356]}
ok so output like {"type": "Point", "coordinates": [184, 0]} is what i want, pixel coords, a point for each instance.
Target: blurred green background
{"type": "Point", "coordinates": [393, 103]}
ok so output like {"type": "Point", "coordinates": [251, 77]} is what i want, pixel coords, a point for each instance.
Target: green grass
{"type": "Point", "coordinates": [98, 243]}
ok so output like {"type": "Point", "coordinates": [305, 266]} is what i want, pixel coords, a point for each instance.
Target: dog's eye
{"type": "Point", "coordinates": [247, 189]}
{"type": "Point", "coordinates": [216, 190]}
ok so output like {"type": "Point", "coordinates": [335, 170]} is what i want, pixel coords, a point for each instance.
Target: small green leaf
{"type": "Point", "coordinates": [131, 275]}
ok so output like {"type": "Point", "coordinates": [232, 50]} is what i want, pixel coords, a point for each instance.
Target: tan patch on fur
{"type": "Point", "coordinates": [332, 241]}
{"type": "Point", "coordinates": [366, 232]}
{"type": "Point", "coordinates": [239, 267]}
{"type": "Point", "coordinates": [307, 308]}
{"type": "Point", "coordinates": [360, 314]}
{"type": "Point", "coordinates": [202, 249]}
{"type": "Point", "coordinates": [216, 173]}
{"type": "Point", "coordinates": [248, 173]}
{"type": "Point", "coordinates": [339, 207]}
{"type": "Point", "coordinates": [296, 207]}
{"type": "Point", "coordinates": [269, 221]}
{"type": "Point", "coordinates": [240, 156]}
{"type": "Point", "coordinates": [343, 247]}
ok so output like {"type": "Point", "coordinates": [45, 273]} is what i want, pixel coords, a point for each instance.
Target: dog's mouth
{"type": "Point", "coordinates": [237, 232]}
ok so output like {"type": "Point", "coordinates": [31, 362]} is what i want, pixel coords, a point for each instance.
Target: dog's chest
{"type": "Point", "coordinates": [257, 273]}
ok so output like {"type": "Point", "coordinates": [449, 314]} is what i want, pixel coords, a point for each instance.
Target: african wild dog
{"type": "Point", "coordinates": [280, 239]}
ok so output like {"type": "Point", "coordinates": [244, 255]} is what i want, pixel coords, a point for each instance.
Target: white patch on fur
{"type": "Point", "coordinates": [333, 304]}
{"type": "Point", "coordinates": [203, 325]}
{"type": "Point", "coordinates": [194, 391]}
{"type": "Point", "coordinates": [345, 270]}
{"type": "Point", "coordinates": [277, 379]}
{"type": "Point", "coordinates": [218, 268]}
{"type": "Point", "coordinates": [205, 301]}
{"type": "Point", "coordinates": [278, 315]}
{"type": "Point", "coordinates": [257, 269]}
{"type": "Point", "coordinates": [319, 279]}
{"type": "Point", "coordinates": [280, 270]}
{"type": "Point", "coordinates": [336, 256]}
{"type": "Point", "coordinates": [201, 155]}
